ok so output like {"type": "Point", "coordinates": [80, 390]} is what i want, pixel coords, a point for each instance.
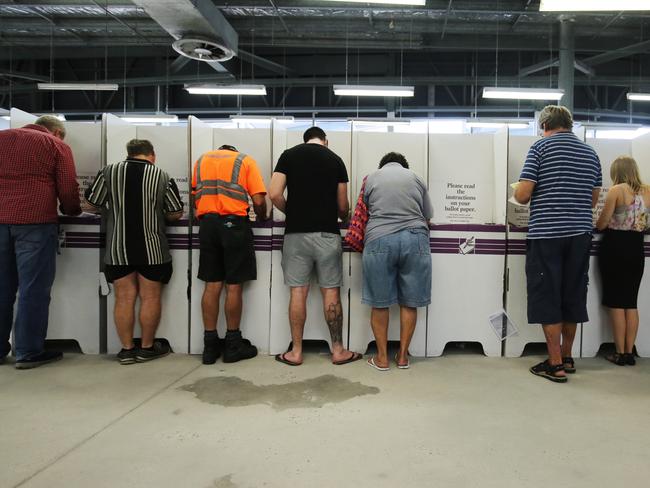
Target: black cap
{"type": "Point", "coordinates": [228, 147]}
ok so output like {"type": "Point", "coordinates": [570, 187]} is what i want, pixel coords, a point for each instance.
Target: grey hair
{"type": "Point", "coordinates": [555, 117]}
{"type": "Point", "coordinates": [51, 123]}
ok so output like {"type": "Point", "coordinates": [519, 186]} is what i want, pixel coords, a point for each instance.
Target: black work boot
{"type": "Point", "coordinates": [211, 347]}
{"type": "Point", "coordinates": [237, 348]}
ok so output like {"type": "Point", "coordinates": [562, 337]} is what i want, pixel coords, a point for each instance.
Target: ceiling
{"type": "Point", "coordinates": [448, 49]}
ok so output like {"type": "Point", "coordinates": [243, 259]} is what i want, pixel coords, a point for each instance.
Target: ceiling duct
{"type": "Point", "coordinates": [200, 30]}
{"type": "Point", "coordinates": [202, 49]}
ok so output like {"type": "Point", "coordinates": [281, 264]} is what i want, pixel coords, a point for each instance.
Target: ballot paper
{"type": "Point", "coordinates": [502, 326]}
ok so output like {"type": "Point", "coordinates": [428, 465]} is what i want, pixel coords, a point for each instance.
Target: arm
{"type": "Point", "coordinates": [608, 209]}
{"type": "Point", "coordinates": [524, 191]}
{"type": "Point", "coordinates": [276, 191]}
{"type": "Point", "coordinates": [259, 206]}
{"type": "Point", "coordinates": [343, 202]}
{"type": "Point", "coordinates": [96, 194]}
{"type": "Point", "coordinates": [67, 188]}
{"type": "Point", "coordinates": [595, 195]}
{"type": "Point", "coordinates": [172, 205]}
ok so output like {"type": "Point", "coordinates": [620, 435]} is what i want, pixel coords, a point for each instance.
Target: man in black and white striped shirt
{"type": "Point", "coordinates": [136, 197]}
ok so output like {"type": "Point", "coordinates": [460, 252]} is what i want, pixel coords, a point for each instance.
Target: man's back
{"type": "Point", "coordinates": [36, 168]}
{"type": "Point", "coordinates": [566, 171]}
{"type": "Point", "coordinates": [136, 195]}
{"type": "Point", "coordinates": [313, 174]}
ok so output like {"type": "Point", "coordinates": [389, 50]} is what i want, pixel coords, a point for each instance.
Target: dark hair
{"type": "Point", "coordinates": [139, 147]}
{"type": "Point", "coordinates": [228, 147]}
{"type": "Point", "coordinates": [393, 157]}
{"type": "Point", "coordinates": [314, 133]}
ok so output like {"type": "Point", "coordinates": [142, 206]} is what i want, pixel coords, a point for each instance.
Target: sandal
{"type": "Point", "coordinates": [548, 371]}
{"type": "Point", "coordinates": [569, 365]}
{"type": "Point", "coordinates": [399, 365]}
{"type": "Point", "coordinates": [617, 358]}
{"type": "Point", "coordinates": [371, 363]}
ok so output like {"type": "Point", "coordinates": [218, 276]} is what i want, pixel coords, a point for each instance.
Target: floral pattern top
{"type": "Point", "coordinates": [630, 217]}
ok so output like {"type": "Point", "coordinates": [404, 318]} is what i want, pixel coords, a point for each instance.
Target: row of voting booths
{"type": "Point", "coordinates": [477, 239]}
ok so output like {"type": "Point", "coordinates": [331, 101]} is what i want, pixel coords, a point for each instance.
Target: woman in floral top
{"type": "Point", "coordinates": [624, 220]}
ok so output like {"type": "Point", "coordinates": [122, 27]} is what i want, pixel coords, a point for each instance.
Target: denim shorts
{"type": "Point", "coordinates": [304, 251]}
{"type": "Point", "coordinates": [397, 269]}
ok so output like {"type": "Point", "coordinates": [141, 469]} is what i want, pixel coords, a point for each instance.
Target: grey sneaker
{"type": "Point", "coordinates": [158, 350]}
{"type": "Point", "coordinates": [39, 360]}
{"type": "Point", "coordinates": [127, 356]}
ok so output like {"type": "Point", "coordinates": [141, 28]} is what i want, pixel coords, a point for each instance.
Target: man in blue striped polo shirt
{"type": "Point", "coordinates": [561, 179]}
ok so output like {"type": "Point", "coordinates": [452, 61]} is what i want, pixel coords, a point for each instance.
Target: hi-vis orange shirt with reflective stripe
{"type": "Point", "coordinates": [222, 181]}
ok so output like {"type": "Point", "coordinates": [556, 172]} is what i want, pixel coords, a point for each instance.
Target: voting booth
{"type": "Point", "coordinates": [74, 306]}
{"type": "Point", "coordinates": [369, 144]}
{"type": "Point", "coordinates": [286, 136]}
{"type": "Point", "coordinates": [171, 146]}
{"type": "Point", "coordinates": [257, 143]}
{"type": "Point", "coordinates": [467, 183]}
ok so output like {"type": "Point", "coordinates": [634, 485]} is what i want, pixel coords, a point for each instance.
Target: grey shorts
{"type": "Point", "coordinates": [302, 252]}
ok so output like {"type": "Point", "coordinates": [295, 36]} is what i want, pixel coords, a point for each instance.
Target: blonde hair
{"type": "Point", "coordinates": [555, 117]}
{"type": "Point", "coordinates": [625, 170]}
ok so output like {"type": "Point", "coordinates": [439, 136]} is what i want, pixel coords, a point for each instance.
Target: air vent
{"type": "Point", "coordinates": [202, 50]}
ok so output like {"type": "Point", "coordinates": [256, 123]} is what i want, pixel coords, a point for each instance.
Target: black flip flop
{"type": "Point", "coordinates": [282, 359]}
{"type": "Point", "coordinates": [355, 357]}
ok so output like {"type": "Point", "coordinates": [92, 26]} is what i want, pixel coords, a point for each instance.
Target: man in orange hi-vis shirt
{"type": "Point", "coordinates": [221, 184]}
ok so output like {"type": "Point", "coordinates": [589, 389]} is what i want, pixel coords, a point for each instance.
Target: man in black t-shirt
{"type": "Point", "coordinates": [317, 196]}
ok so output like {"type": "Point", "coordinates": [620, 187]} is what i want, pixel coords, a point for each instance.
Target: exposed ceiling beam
{"type": "Point", "coordinates": [264, 63]}
{"type": "Point", "coordinates": [23, 76]}
{"type": "Point", "coordinates": [553, 63]}
{"type": "Point", "coordinates": [640, 47]}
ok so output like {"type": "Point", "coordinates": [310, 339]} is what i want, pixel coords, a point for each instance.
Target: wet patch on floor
{"type": "Point", "coordinates": [231, 391]}
{"type": "Point", "coordinates": [224, 482]}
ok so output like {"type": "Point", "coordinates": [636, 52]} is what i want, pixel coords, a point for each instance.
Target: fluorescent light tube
{"type": "Point", "coordinates": [382, 122]}
{"type": "Point", "coordinates": [373, 91]}
{"type": "Point", "coordinates": [592, 5]}
{"type": "Point", "coordinates": [639, 97]}
{"type": "Point", "coordinates": [385, 2]}
{"type": "Point", "coordinates": [523, 93]}
{"type": "Point", "coordinates": [226, 89]}
{"type": "Point", "coordinates": [144, 118]}
{"type": "Point", "coordinates": [496, 125]}
{"type": "Point", "coordinates": [79, 86]}
{"type": "Point", "coordinates": [257, 118]}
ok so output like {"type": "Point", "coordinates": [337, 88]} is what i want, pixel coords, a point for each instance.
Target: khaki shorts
{"type": "Point", "coordinates": [302, 252]}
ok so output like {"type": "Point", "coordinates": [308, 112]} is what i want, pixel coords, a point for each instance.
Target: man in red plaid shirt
{"type": "Point", "coordinates": [36, 170]}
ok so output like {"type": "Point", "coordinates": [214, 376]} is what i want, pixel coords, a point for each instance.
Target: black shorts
{"type": "Point", "coordinates": [161, 273]}
{"type": "Point", "coordinates": [227, 249]}
{"type": "Point", "coordinates": [557, 276]}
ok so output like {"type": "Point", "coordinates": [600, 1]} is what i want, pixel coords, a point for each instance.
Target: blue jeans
{"type": "Point", "coordinates": [27, 266]}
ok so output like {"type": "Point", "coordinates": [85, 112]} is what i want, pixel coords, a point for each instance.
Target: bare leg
{"type": "Point", "coordinates": [210, 304]}
{"type": "Point", "coordinates": [632, 327]}
{"type": "Point", "coordinates": [617, 316]}
{"type": "Point", "coordinates": [233, 306]}
{"type": "Point", "coordinates": [297, 318]}
{"type": "Point", "coordinates": [149, 292]}
{"type": "Point", "coordinates": [126, 293]}
{"type": "Point", "coordinates": [568, 335]}
{"type": "Point", "coordinates": [333, 311]}
{"type": "Point", "coordinates": [408, 317]}
{"type": "Point", "coordinates": [379, 322]}
{"type": "Point", "coordinates": [553, 334]}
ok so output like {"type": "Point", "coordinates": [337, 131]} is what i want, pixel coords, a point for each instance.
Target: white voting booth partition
{"type": "Point", "coordinates": [467, 182]}
{"type": "Point", "coordinates": [255, 142]}
{"type": "Point", "coordinates": [286, 136]}
{"type": "Point", "coordinates": [598, 330]}
{"type": "Point", "coordinates": [74, 307]}
{"type": "Point", "coordinates": [170, 144]}
{"type": "Point", "coordinates": [369, 145]}
{"type": "Point", "coordinates": [641, 153]}
{"type": "Point", "coordinates": [516, 293]}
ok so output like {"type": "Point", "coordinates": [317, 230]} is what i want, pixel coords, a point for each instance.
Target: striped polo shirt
{"type": "Point", "coordinates": [134, 196]}
{"type": "Point", "coordinates": [565, 171]}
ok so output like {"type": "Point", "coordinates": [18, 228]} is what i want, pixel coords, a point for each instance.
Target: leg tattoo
{"type": "Point", "coordinates": [335, 322]}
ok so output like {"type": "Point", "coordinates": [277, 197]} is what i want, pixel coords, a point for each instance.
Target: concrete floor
{"type": "Point", "coordinates": [455, 421]}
